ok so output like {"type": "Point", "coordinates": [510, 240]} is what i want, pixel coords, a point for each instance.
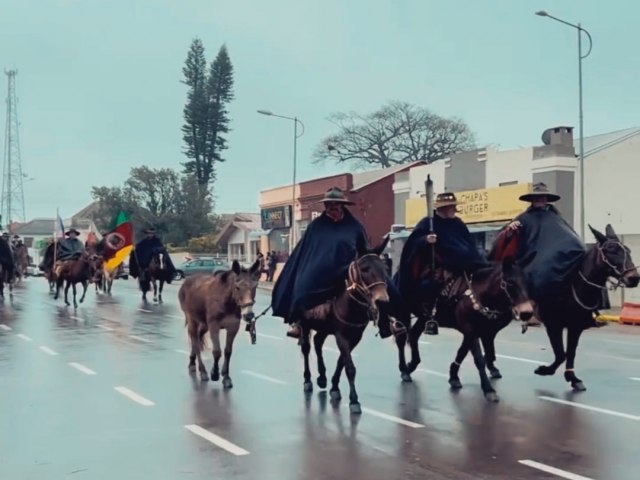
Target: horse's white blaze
{"type": "Point", "coordinates": [379, 293]}
{"type": "Point", "coordinates": [525, 307]}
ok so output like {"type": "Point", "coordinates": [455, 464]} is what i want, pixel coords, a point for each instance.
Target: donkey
{"type": "Point", "coordinates": [215, 302]}
{"type": "Point", "coordinates": [82, 270]}
{"type": "Point", "coordinates": [156, 275]}
{"type": "Point", "coordinates": [345, 316]}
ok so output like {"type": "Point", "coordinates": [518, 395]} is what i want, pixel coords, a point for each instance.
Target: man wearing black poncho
{"type": "Point", "coordinates": [455, 252]}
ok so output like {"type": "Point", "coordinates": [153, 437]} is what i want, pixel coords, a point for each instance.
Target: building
{"type": "Point", "coordinates": [237, 236]}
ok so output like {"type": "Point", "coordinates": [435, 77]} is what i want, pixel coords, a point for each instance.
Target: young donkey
{"type": "Point", "coordinates": [215, 302]}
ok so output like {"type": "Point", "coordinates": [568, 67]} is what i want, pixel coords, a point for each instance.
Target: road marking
{"type": "Point", "coordinates": [272, 337]}
{"type": "Point", "coordinates": [553, 470]}
{"type": "Point", "coordinates": [391, 418]}
{"type": "Point", "coordinates": [588, 407]}
{"type": "Point", "coordinates": [424, 342]}
{"type": "Point", "coordinates": [144, 310]}
{"type": "Point", "coordinates": [48, 350]}
{"type": "Point", "coordinates": [336, 351]}
{"type": "Point", "coordinates": [24, 337]}
{"type": "Point", "coordinates": [134, 396]}
{"type": "Point", "coordinates": [104, 327]}
{"type": "Point", "coordinates": [183, 352]}
{"type": "Point", "coordinates": [216, 440]}
{"type": "Point", "coordinates": [82, 368]}
{"type": "Point", "coordinates": [519, 359]}
{"type": "Point", "coordinates": [141, 339]}
{"type": "Point", "coordinates": [637, 379]}
{"type": "Point", "coordinates": [432, 372]}
{"type": "Point", "coordinates": [4, 327]}
{"type": "Point", "coordinates": [72, 317]}
{"type": "Point", "coordinates": [264, 377]}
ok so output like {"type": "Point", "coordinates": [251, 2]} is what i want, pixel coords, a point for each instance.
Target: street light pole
{"type": "Point", "coordinates": [292, 235]}
{"type": "Point", "coordinates": [581, 57]}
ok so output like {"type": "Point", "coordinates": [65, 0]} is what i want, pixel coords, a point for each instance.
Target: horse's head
{"type": "Point", "coordinates": [514, 285]}
{"type": "Point", "coordinates": [244, 284]}
{"type": "Point", "coordinates": [368, 275]}
{"type": "Point", "coordinates": [616, 257]}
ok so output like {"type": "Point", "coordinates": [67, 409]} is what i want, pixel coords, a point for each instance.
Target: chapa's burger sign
{"type": "Point", "coordinates": [276, 217]}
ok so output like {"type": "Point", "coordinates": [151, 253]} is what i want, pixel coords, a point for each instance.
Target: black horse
{"type": "Point", "coordinates": [7, 267]}
{"type": "Point", "coordinates": [159, 271]}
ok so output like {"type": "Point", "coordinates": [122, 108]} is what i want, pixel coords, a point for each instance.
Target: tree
{"type": "Point", "coordinates": [206, 114]}
{"type": "Point", "coordinates": [398, 133]}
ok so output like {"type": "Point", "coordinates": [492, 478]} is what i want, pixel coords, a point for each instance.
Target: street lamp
{"type": "Point", "coordinates": [578, 27]}
{"type": "Point", "coordinates": [292, 238]}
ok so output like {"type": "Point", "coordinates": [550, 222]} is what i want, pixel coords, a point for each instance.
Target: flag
{"type": "Point", "coordinates": [58, 228]}
{"type": "Point", "coordinates": [93, 237]}
{"type": "Point", "coordinates": [118, 243]}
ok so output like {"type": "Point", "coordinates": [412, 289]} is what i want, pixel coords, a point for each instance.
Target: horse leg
{"type": "Point", "coordinates": [346, 347]}
{"type": "Point", "coordinates": [232, 331]}
{"type": "Point", "coordinates": [192, 332]}
{"type": "Point", "coordinates": [488, 390]}
{"type": "Point", "coordinates": [454, 368]}
{"type": "Point", "coordinates": [305, 346]}
{"type": "Point", "coordinates": [554, 332]}
{"type": "Point", "coordinates": [573, 337]}
{"type": "Point", "coordinates": [66, 293]}
{"type": "Point", "coordinates": [160, 291]}
{"type": "Point", "coordinates": [334, 393]}
{"type": "Point", "coordinates": [75, 302]}
{"type": "Point", "coordinates": [414, 337]}
{"type": "Point", "coordinates": [85, 286]}
{"type": "Point", "coordinates": [155, 290]}
{"type": "Point", "coordinates": [401, 342]}
{"type": "Point", "coordinates": [214, 332]}
{"type": "Point", "coordinates": [489, 347]}
{"type": "Point", "coordinates": [318, 342]}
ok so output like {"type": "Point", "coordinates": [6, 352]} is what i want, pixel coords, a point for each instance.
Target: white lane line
{"type": "Point", "coordinates": [520, 359]}
{"type": "Point", "coordinates": [336, 351]}
{"type": "Point", "coordinates": [104, 327]}
{"type": "Point", "coordinates": [216, 440]}
{"type": "Point", "coordinates": [424, 342]}
{"type": "Point", "coordinates": [72, 317]}
{"type": "Point", "coordinates": [272, 337]}
{"type": "Point", "coordinates": [637, 379]}
{"type": "Point", "coordinates": [391, 418]}
{"type": "Point", "coordinates": [589, 407]}
{"type": "Point", "coordinates": [183, 352]}
{"type": "Point", "coordinates": [24, 337]}
{"type": "Point", "coordinates": [130, 394]}
{"type": "Point", "coordinates": [4, 327]}
{"type": "Point", "coordinates": [48, 351]}
{"type": "Point", "coordinates": [264, 377]}
{"type": "Point", "coordinates": [553, 470]}
{"type": "Point", "coordinates": [145, 310]}
{"type": "Point", "coordinates": [82, 368]}
{"type": "Point", "coordinates": [432, 372]}
{"type": "Point", "coordinates": [141, 339]}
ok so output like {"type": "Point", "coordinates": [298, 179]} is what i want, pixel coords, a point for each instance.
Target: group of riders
{"type": "Point", "coordinates": [439, 252]}
{"type": "Point", "coordinates": [14, 255]}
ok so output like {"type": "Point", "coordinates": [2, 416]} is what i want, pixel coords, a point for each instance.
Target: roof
{"type": "Point", "coordinates": [597, 143]}
{"type": "Point", "coordinates": [244, 221]}
{"type": "Point", "coordinates": [363, 179]}
{"type": "Point", "coordinates": [88, 211]}
{"type": "Point", "coordinates": [37, 226]}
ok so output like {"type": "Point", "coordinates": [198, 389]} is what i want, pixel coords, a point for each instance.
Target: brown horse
{"type": "Point", "coordinates": [82, 270]}
{"type": "Point", "coordinates": [215, 302]}
{"type": "Point", "coordinates": [21, 260]}
{"type": "Point", "coordinates": [105, 282]}
{"type": "Point", "coordinates": [345, 317]}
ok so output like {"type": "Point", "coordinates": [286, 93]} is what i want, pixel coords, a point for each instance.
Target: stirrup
{"type": "Point", "coordinates": [431, 327]}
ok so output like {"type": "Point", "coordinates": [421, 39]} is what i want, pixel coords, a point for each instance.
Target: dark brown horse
{"type": "Point", "coordinates": [573, 307]}
{"type": "Point", "coordinates": [83, 270]}
{"type": "Point", "coordinates": [21, 260]}
{"type": "Point", "coordinates": [156, 274]}
{"type": "Point", "coordinates": [217, 302]}
{"type": "Point", "coordinates": [345, 317]}
{"type": "Point", "coordinates": [7, 268]}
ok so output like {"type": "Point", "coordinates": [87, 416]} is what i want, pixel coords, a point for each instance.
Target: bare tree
{"type": "Point", "coordinates": [397, 133]}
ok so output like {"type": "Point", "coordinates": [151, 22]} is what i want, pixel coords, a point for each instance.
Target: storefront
{"type": "Point", "coordinates": [277, 222]}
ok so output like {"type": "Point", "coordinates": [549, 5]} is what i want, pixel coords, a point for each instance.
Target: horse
{"type": "Point", "coordinates": [81, 270]}
{"type": "Point", "coordinates": [157, 272]}
{"type": "Point", "coordinates": [106, 280]}
{"type": "Point", "coordinates": [345, 317]}
{"type": "Point", "coordinates": [211, 303]}
{"type": "Point", "coordinates": [7, 268]}
{"type": "Point", "coordinates": [46, 266]}
{"type": "Point", "coordinates": [21, 261]}
{"type": "Point", "coordinates": [572, 308]}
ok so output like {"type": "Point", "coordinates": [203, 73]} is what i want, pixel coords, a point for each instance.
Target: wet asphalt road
{"type": "Point", "coordinates": [104, 393]}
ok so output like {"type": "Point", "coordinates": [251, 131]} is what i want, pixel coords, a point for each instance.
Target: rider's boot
{"type": "Point", "coordinates": [294, 330]}
{"type": "Point", "coordinates": [431, 325]}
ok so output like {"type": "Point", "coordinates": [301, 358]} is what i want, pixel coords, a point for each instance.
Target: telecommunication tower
{"type": "Point", "coordinates": [12, 208]}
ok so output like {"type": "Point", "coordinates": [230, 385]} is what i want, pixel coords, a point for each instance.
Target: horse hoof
{"type": "Point", "coordinates": [204, 376]}
{"type": "Point", "coordinates": [355, 408]}
{"type": "Point", "coordinates": [215, 376]}
{"type": "Point", "coordinates": [455, 383]}
{"type": "Point", "coordinates": [227, 383]}
{"type": "Point", "coordinates": [544, 370]}
{"type": "Point", "coordinates": [308, 387]}
{"type": "Point", "coordinates": [495, 373]}
{"type": "Point", "coordinates": [192, 368]}
{"type": "Point", "coordinates": [492, 397]}
{"type": "Point", "coordinates": [322, 382]}
{"type": "Point", "coordinates": [406, 378]}
{"type": "Point", "coordinates": [335, 395]}
{"type": "Point", "coordinates": [578, 386]}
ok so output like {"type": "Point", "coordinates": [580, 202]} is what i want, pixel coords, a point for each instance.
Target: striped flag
{"type": "Point", "coordinates": [118, 242]}
{"type": "Point", "coordinates": [58, 228]}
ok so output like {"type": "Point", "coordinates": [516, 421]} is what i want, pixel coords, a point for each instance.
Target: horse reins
{"type": "Point", "coordinates": [475, 303]}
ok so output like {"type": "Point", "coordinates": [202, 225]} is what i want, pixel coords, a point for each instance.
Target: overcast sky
{"type": "Point", "coordinates": [99, 81]}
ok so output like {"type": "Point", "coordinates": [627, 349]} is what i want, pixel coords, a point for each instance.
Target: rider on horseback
{"type": "Point", "coordinates": [144, 252]}
{"type": "Point", "coordinates": [316, 270]}
{"type": "Point", "coordinates": [68, 250]}
{"type": "Point", "coordinates": [455, 255]}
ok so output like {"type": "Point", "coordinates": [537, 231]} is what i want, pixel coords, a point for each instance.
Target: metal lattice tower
{"type": "Point", "coordinates": [12, 209]}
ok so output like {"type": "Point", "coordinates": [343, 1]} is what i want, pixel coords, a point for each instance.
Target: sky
{"type": "Point", "coordinates": [100, 92]}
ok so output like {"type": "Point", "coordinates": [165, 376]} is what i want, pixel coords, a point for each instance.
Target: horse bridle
{"type": "Point", "coordinates": [354, 282]}
{"type": "Point", "coordinates": [475, 303]}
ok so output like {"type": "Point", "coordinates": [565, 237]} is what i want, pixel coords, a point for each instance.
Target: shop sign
{"type": "Point", "coordinates": [276, 217]}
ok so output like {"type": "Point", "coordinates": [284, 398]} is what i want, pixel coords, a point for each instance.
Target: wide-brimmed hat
{"type": "Point", "coordinates": [446, 199]}
{"type": "Point", "coordinates": [539, 190]}
{"type": "Point", "coordinates": [335, 194]}
{"type": "Point", "coordinates": [72, 230]}
{"type": "Point", "coordinates": [150, 230]}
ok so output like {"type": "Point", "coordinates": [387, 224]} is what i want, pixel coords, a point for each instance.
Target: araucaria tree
{"type": "Point", "coordinates": [206, 114]}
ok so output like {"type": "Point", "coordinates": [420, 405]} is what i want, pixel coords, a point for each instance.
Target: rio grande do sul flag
{"type": "Point", "coordinates": [118, 243]}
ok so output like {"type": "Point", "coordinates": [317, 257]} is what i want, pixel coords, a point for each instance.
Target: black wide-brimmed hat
{"type": "Point", "coordinates": [150, 230]}
{"type": "Point", "coordinates": [335, 194]}
{"type": "Point", "coordinates": [72, 230]}
{"type": "Point", "coordinates": [446, 199]}
{"type": "Point", "coordinates": [540, 190]}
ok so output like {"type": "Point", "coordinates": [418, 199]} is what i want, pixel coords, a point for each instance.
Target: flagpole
{"type": "Point", "coordinates": [55, 237]}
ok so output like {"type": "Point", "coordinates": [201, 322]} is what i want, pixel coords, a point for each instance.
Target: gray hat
{"type": "Point", "coordinates": [540, 190]}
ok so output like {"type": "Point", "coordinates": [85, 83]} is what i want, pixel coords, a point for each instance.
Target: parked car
{"type": "Point", "coordinates": [201, 265]}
